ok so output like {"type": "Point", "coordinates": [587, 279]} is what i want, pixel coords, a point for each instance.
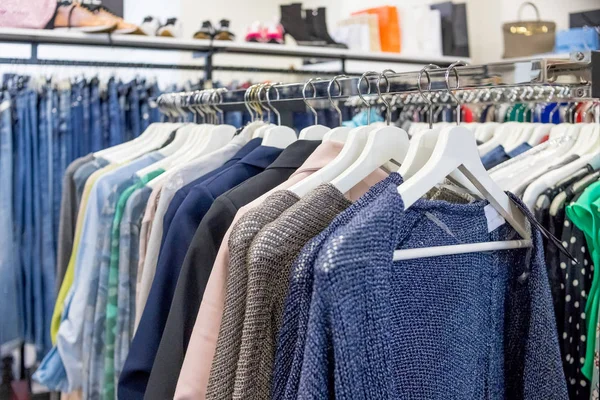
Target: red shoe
{"type": "Point", "coordinates": [256, 33]}
{"type": "Point", "coordinates": [274, 33]}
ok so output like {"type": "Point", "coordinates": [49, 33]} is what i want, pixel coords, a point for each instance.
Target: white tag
{"type": "Point", "coordinates": [5, 105]}
{"type": "Point", "coordinates": [494, 220]}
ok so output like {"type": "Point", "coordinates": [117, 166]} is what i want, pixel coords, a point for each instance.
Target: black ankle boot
{"type": "Point", "coordinates": [296, 26]}
{"type": "Point", "coordinates": [319, 19]}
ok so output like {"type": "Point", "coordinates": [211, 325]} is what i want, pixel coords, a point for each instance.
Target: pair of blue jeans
{"type": "Point", "coordinates": [76, 122]}
{"type": "Point", "coordinates": [86, 127]}
{"type": "Point", "coordinates": [44, 231]}
{"type": "Point", "coordinates": [11, 332]}
{"type": "Point", "coordinates": [65, 131]}
{"type": "Point", "coordinates": [114, 115]}
{"type": "Point", "coordinates": [96, 131]}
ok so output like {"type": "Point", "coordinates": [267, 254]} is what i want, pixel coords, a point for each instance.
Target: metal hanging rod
{"type": "Point", "coordinates": [580, 76]}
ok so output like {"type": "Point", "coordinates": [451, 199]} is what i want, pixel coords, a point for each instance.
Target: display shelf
{"type": "Point", "coordinates": [203, 48]}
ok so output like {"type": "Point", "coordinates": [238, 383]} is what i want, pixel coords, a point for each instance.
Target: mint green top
{"type": "Point", "coordinates": [585, 215]}
{"type": "Point", "coordinates": [112, 306]}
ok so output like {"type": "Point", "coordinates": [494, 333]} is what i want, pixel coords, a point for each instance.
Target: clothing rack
{"type": "Point", "coordinates": [206, 49]}
{"type": "Point", "coordinates": [577, 78]}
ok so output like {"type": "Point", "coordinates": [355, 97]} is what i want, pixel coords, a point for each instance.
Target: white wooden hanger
{"type": "Point", "coordinates": [153, 137]}
{"type": "Point", "coordinates": [195, 140]}
{"type": "Point", "coordinates": [316, 131]}
{"type": "Point", "coordinates": [339, 133]}
{"type": "Point", "coordinates": [384, 144]}
{"type": "Point", "coordinates": [591, 156]}
{"type": "Point", "coordinates": [423, 142]}
{"type": "Point", "coordinates": [215, 136]}
{"type": "Point", "coordinates": [278, 136]}
{"type": "Point", "coordinates": [457, 149]}
{"type": "Point", "coordinates": [353, 148]}
{"type": "Point", "coordinates": [354, 145]}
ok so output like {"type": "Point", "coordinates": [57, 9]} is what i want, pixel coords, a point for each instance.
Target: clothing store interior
{"type": "Point", "coordinates": [327, 199]}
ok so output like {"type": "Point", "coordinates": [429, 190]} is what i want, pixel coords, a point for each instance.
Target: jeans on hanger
{"type": "Point", "coordinates": [43, 286]}
{"type": "Point", "coordinates": [56, 160]}
{"type": "Point", "coordinates": [96, 133]}
{"type": "Point", "coordinates": [44, 225]}
{"type": "Point", "coordinates": [145, 118]}
{"type": "Point", "coordinates": [86, 142]}
{"type": "Point", "coordinates": [76, 122]}
{"type": "Point", "coordinates": [123, 89]}
{"type": "Point", "coordinates": [11, 310]}
{"type": "Point", "coordinates": [234, 118]}
{"type": "Point", "coordinates": [114, 115]}
{"type": "Point", "coordinates": [133, 107]}
{"type": "Point", "coordinates": [23, 209]}
{"type": "Point", "coordinates": [154, 92]}
{"type": "Point", "coordinates": [105, 120]}
{"type": "Point", "coordinates": [64, 131]}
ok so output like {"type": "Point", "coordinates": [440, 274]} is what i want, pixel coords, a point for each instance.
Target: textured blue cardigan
{"type": "Point", "coordinates": [466, 326]}
{"type": "Point", "coordinates": [292, 335]}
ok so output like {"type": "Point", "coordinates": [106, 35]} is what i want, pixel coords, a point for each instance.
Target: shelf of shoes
{"type": "Point", "coordinates": [65, 37]}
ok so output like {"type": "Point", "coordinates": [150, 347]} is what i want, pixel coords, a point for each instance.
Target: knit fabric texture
{"type": "Point", "coordinates": [223, 370]}
{"type": "Point", "coordinates": [292, 335]}
{"type": "Point", "coordinates": [464, 326]}
{"type": "Point", "coordinates": [270, 259]}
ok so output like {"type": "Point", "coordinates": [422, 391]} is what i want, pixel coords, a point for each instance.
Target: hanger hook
{"type": "Point", "coordinates": [388, 117]}
{"type": "Point", "coordinates": [207, 106]}
{"type": "Point", "coordinates": [452, 68]}
{"type": "Point", "coordinates": [256, 103]}
{"type": "Point", "coordinates": [561, 92]}
{"type": "Point", "coordinates": [260, 90]}
{"type": "Point", "coordinates": [310, 82]}
{"type": "Point", "coordinates": [273, 86]}
{"type": "Point", "coordinates": [360, 95]}
{"type": "Point", "coordinates": [199, 106]}
{"type": "Point", "coordinates": [247, 100]}
{"type": "Point", "coordinates": [333, 104]}
{"type": "Point", "coordinates": [219, 97]}
{"type": "Point", "coordinates": [425, 70]}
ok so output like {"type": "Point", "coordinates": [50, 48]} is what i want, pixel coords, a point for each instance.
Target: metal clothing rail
{"type": "Point", "coordinates": [206, 49]}
{"type": "Point", "coordinates": [578, 78]}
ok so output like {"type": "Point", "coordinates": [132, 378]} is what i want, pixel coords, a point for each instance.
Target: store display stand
{"type": "Point", "coordinates": [206, 49]}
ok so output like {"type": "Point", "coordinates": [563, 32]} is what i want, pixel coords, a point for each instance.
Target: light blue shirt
{"type": "Point", "coordinates": [64, 368]}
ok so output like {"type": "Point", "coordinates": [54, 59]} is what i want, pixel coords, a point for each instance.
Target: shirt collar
{"type": "Point", "coordinates": [246, 149]}
{"type": "Point", "coordinates": [295, 154]}
{"type": "Point", "coordinates": [261, 157]}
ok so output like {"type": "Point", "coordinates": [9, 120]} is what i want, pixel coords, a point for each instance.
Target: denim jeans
{"type": "Point", "coordinates": [114, 115]}
{"type": "Point", "coordinates": [126, 132]}
{"type": "Point", "coordinates": [65, 132]}
{"type": "Point", "coordinates": [44, 224]}
{"type": "Point", "coordinates": [56, 159]}
{"type": "Point", "coordinates": [133, 102]}
{"type": "Point", "coordinates": [155, 114]}
{"type": "Point", "coordinates": [145, 117]}
{"type": "Point", "coordinates": [105, 120]}
{"type": "Point", "coordinates": [97, 135]}
{"type": "Point", "coordinates": [76, 122]}
{"type": "Point", "coordinates": [86, 129]}
{"type": "Point", "coordinates": [10, 277]}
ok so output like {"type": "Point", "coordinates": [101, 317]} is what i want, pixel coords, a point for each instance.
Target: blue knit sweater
{"type": "Point", "coordinates": [292, 335]}
{"type": "Point", "coordinates": [466, 326]}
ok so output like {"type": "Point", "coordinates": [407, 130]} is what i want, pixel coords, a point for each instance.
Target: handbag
{"type": "Point", "coordinates": [527, 38]}
{"type": "Point", "coordinates": [26, 13]}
